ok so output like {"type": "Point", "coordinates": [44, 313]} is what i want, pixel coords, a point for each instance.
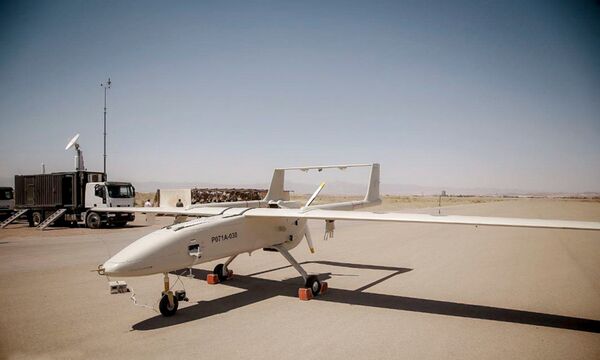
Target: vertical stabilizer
{"type": "Point", "coordinates": [276, 192]}
{"type": "Point", "coordinates": [373, 189]}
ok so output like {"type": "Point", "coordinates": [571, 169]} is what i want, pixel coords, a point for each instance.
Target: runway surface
{"type": "Point", "coordinates": [396, 291]}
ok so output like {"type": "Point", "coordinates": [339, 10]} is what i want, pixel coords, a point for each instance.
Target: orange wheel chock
{"type": "Point", "coordinates": [324, 287]}
{"type": "Point", "coordinates": [212, 279]}
{"type": "Point", "coordinates": [305, 294]}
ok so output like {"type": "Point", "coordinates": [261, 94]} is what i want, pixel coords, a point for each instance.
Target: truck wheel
{"type": "Point", "coordinates": [119, 223]}
{"type": "Point", "coordinates": [93, 221]}
{"type": "Point", "coordinates": [36, 218]}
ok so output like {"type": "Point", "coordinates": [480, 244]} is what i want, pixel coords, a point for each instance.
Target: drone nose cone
{"type": "Point", "coordinates": [148, 255]}
{"type": "Point", "coordinates": [124, 268]}
{"type": "Point", "coordinates": [113, 268]}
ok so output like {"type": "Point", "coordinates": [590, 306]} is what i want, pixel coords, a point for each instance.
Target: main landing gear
{"type": "Point", "coordinates": [169, 300]}
{"type": "Point", "coordinates": [221, 272]}
{"type": "Point", "coordinates": [312, 285]}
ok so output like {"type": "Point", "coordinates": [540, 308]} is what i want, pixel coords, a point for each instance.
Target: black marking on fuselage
{"type": "Point", "coordinates": [223, 237]}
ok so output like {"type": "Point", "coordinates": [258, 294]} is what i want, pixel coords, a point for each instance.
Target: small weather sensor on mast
{"type": "Point", "coordinates": [79, 157]}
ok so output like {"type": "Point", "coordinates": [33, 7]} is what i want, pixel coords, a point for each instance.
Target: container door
{"type": "Point", "coordinates": [67, 190]}
{"type": "Point", "coordinates": [29, 191]}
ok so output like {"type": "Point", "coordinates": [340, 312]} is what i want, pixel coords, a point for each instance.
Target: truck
{"type": "Point", "coordinates": [68, 197]}
{"type": "Point", "coordinates": [7, 202]}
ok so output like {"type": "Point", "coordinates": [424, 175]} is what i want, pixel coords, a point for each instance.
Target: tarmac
{"type": "Point", "coordinates": [395, 291]}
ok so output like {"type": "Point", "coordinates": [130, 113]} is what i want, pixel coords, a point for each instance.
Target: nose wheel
{"type": "Point", "coordinates": [169, 301]}
{"type": "Point", "coordinates": [166, 307]}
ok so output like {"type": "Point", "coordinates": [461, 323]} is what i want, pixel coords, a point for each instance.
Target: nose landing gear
{"type": "Point", "coordinates": [168, 304]}
{"type": "Point", "coordinates": [169, 301]}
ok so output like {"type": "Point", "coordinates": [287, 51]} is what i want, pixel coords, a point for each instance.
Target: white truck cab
{"type": "Point", "coordinates": [108, 194]}
{"type": "Point", "coordinates": [7, 202]}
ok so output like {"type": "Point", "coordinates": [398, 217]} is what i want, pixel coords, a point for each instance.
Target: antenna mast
{"type": "Point", "coordinates": [106, 86]}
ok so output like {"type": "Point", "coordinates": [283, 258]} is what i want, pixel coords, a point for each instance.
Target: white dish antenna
{"type": "Point", "coordinates": [73, 142]}
{"type": "Point", "coordinates": [79, 157]}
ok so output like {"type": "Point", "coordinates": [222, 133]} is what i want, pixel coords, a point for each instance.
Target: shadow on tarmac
{"type": "Point", "coordinates": [258, 289]}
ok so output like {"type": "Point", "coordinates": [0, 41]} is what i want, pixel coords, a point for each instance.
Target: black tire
{"type": "Point", "coordinates": [219, 271]}
{"type": "Point", "coordinates": [37, 218]}
{"type": "Point", "coordinates": [313, 284]}
{"type": "Point", "coordinates": [165, 307]}
{"type": "Point", "coordinates": [62, 222]}
{"type": "Point", "coordinates": [93, 221]}
{"type": "Point", "coordinates": [119, 223]}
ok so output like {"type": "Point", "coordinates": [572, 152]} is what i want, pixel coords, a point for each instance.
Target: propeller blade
{"type": "Point", "coordinates": [309, 239]}
{"type": "Point", "coordinates": [314, 196]}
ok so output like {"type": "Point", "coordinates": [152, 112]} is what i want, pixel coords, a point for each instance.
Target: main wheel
{"type": "Point", "coordinates": [93, 221]}
{"type": "Point", "coordinates": [165, 307]}
{"type": "Point", "coordinates": [313, 284]}
{"type": "Point", "coordinates": [37, 218]}
{"type": "Point", "coordinates": [220, 272]}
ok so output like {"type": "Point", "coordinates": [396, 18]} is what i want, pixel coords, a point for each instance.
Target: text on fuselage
{"type": "Point", "coordinates": [219, 238]}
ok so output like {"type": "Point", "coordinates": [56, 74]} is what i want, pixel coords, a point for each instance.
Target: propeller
{"type": "Point", "coordinates": [314, 196]}
{"type": "Point", "coordinates": [309, 241]}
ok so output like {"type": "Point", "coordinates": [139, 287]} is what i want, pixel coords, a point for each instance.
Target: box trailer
{"type": "Point", "coordinates": [68, 197]}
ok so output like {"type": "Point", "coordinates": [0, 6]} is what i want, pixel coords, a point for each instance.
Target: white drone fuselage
{"type": "Point", "coordinates": [202, 240]}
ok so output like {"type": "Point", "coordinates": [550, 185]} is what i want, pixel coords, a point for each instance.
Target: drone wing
{"type": "Point", "coordinates": [319, 214]}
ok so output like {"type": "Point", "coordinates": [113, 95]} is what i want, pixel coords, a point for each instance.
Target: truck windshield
{"type": "Point", "coordinates": [120, 191]}
{"type": "Point", "coordinates": [6, 194]}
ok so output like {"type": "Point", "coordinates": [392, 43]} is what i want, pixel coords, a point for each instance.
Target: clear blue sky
{"type": "Point", "coordinates": [459, 94]}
